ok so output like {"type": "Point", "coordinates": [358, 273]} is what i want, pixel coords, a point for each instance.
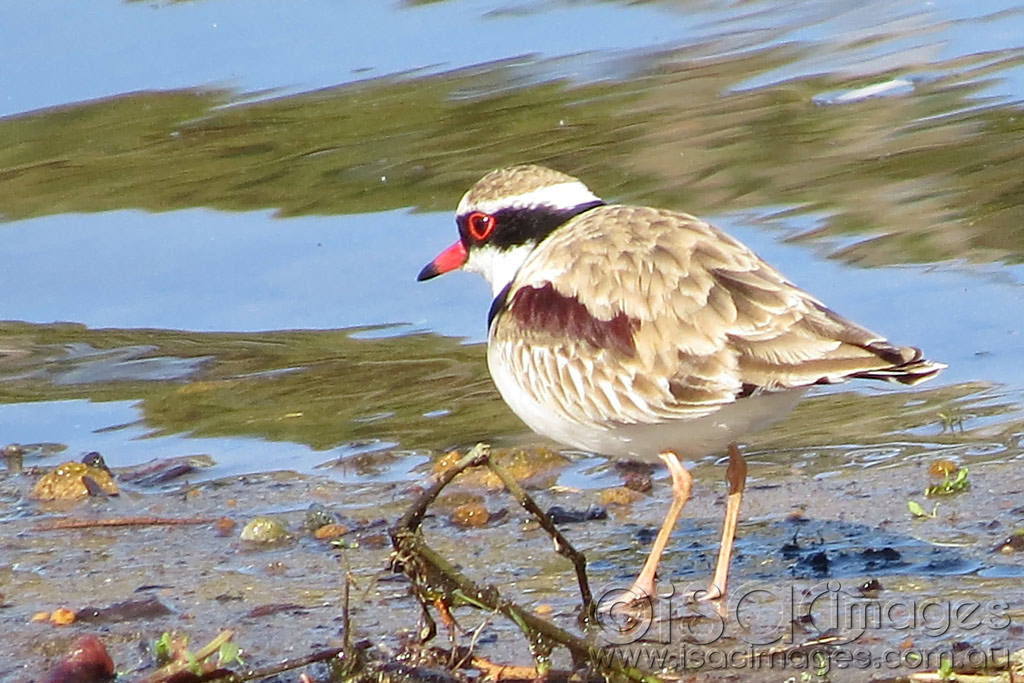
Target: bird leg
{"type": "Point", "coordinates": [682, 482]}
{"type": "Point", "coordinates": [736, 475]}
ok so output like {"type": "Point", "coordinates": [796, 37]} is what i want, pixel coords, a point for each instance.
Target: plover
{"type": "Point", "coordinates": [638, 332]}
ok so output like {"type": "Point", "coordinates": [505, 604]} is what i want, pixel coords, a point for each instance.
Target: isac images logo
{"type": "Point", "coordinates": [769, 626]}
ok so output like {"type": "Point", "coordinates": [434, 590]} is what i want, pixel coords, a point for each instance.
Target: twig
{"type": "Point", "coordinates": [286, 665]}
{"type": "Point", "coordinates": [503, 672]}
{"type": "Point", "coordinates": [121, 521]}
{"type": "Point", "coordinates": [179, 665]}
{"type": "Point", "coordinates": [346, 617]}
{"type": "Point", "coordinates": [434, 579]}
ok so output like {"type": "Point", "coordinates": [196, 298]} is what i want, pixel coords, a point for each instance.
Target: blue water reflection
{"type": "Point", "coordinates": [57, 52]}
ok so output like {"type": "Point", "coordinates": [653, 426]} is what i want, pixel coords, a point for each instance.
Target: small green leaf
{"type": "Point", "coordinates": [950, 484]}
{"type": "Point", "coordinates": [919, 512]}
{"type": "Point", "coordinates": [960, 481]}
{"type": "Point", "coordinates": [162, 648]}
{"type": "Point", "coordinates": [945, 670]}
{"type": "Point", "coordinates": [229, 653]}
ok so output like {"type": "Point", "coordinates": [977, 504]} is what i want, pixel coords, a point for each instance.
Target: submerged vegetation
{"type": "Point", "coordinates": [671, 130]}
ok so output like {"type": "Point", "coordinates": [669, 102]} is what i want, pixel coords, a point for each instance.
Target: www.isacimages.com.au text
{"type": "Point", "coordinates": [820, 660]}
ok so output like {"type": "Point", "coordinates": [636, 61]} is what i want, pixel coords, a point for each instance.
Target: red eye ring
{"type": "Point", "coordinates": [480, 225]}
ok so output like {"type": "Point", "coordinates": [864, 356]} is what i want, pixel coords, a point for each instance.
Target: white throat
{"type": "Point", "coordinates": [498, 266]}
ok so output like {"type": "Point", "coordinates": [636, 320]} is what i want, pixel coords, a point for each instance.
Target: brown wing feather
{"type": "Point", "coordinates": [710, 322]}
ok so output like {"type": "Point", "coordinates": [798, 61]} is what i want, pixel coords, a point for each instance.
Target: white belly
{"type": "Point", "coordinates": [688, 438]}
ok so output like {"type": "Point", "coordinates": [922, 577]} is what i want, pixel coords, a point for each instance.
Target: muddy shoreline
{"type": "Point", "coordinates": [804, 540]}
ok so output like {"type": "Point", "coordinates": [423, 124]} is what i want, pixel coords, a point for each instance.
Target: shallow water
{"type": "Point", "coordinates": [225, 205]}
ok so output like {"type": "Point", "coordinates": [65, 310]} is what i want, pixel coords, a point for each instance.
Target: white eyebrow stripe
{"type": "Point", "coordinates": [561, 196]}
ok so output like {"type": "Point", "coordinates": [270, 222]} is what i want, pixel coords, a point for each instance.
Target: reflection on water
{"type": "Point", "coordinates": [685, 127]}
{"type": "Point", "coordinates": [361, 408]}
{"type": "Point", "coordinates": [873, 135]}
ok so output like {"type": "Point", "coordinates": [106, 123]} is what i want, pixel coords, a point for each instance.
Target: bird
{"type": "Point", "coordinates": [644, 333]}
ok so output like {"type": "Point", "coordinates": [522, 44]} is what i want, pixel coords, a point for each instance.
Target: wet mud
{"type": "Point", "coordinates": [832, 576]}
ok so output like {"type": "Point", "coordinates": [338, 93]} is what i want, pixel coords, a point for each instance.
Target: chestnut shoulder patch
{"type": "Point", "coordinates": [544, 309]}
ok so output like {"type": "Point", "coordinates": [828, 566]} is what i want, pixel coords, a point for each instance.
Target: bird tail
{"type": "Point", "coordinates": [910, 372]}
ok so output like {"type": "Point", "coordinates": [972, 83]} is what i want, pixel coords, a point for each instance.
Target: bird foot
{"type": "Point", "coordinates": [632, 598]}
{"type": "Point", "coordinates": [711, 594]}
{"type": "Point", "coordinates": [626, 612]}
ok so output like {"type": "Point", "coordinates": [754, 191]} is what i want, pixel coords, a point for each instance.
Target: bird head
{"type": "Point", "coordinates": [504, 216]}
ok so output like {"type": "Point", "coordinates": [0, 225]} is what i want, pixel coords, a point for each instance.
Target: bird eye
{"type": "Point", "coordinates": [480, 225]}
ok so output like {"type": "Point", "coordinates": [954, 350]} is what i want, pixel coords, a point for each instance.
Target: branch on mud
{"type": "Point", "coordinates": [436, 582]}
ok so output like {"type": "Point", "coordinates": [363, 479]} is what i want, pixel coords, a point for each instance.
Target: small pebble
{"type": "Point", "coordinates": [446, 461]}
{"type": "Point", "coordinates": [942, 468]}
{"type": "Point", "coordinates": [88, 660]}
{"type": "Point", "coordinates": [318, 516]}
{"type": "Point", "coordinates": [94, 459]}
{"type": "Point", "coordinates": [264, 530]}
{"type": "Point", "coordinates": [1011, 544]}
{"type": "Point", "coordinates": [472, 514]}
{"type": "Point", "coordinates": [14, 454]}
{"type": "Point", "coordinates": [329, 532]}
{"type": "Point", "coordinates": [62, 617]}
{"type": "Point", "coordinates": [225, 526]}
{"type": "Point", "coordinates": [74, 481]}
{"type": "Point", "coordinates": [560, 515]}
{"type": "Point", "coordinates": [620, 495]}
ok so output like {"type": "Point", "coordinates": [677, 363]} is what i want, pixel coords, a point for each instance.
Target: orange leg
{"type": "Point", "coordinates": [736, 474]}
{"type": "Point", "coordinates": [682, 482]}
